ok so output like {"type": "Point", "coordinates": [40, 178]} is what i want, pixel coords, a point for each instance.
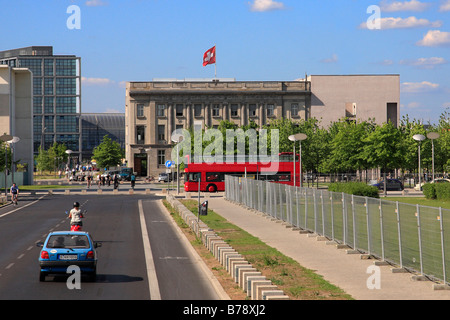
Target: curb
{"type": "Point", "coordinates": [249, 279]}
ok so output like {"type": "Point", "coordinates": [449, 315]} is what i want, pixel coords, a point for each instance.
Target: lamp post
{"type": "Point", "coordinates": [12, 142]}
{"type": "Point", "coordinates": [177, 138]}
{"type": "Point", "coordinates": [5, 138]}
{"type": "Point", "coordinates": [298, 137]}
{"type": "Point", "coordinates": [432, 136]}
{"type": "Point", "coordinates": [419, 137]}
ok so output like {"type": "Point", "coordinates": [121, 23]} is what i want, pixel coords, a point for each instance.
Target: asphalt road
{"type": "Point", "coordinates": [139, 242]}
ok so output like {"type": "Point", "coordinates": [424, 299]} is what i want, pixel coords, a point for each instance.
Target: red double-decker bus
{"type": "Point", "coordinates": [212, 175]}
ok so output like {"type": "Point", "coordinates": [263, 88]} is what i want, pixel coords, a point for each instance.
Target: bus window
{"type": "Point", "coordinates": [194, 176]}
{"type": "Point", "coordinates": [215, 177]}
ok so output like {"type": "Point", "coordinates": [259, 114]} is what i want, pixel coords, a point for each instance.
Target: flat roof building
{"type": "Point", "coordinates": [154, 109]}
{"type": "Point", "coordinates": [16, 119]}
{"type": "Point", "coordinates": [56, 95]}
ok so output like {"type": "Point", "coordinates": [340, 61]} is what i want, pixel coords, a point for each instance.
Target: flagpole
{"type": "Point", "coordinates": [215, 64]}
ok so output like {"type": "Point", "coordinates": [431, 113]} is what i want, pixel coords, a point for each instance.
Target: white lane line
{"type": "Point", "coordinates": [151, 271]}
{"type": "Point", "coordinates": [27, 205]}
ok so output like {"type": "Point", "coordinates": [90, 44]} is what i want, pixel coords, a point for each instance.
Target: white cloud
{"type": "Point", "coordinates": [425, 63]}
{"type": "Point", "coordinates": [412, 5]}
{"type": "Point", "coordinates": [333, 59]}
{"type": "Point", "coordinates": [418, 87]}
{"type": "Point", "coordinates": [435, 38]}
{"type": "Point", "coordinates": [401, 23]}
{"type": "Point", "coordinates": [266, 5]}
{"type": "Point", "coordinates": [95, 3]}
{"type": "Point", "coordinates": [445, 6]}
{"type": "Point", "coordinates": [96, 81]}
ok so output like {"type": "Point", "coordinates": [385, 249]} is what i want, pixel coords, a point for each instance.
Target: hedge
{"type": "Point", "coordinates": [355, 188]}
{"type": "Point", "coordinates": [439, 191]}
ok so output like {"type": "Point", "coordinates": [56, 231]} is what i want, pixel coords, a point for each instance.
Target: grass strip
{"type": "Point", "coordinates": [298, 282]}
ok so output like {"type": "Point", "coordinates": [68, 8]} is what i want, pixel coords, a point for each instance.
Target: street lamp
{"type": "Point", "coordinates": [177, 137]}
{"type": "Point", "coordinates": [432, 136]}
{"type": "Point", "coordinates": [5, 138]}
{"type": "Point", "coordinates": [298, 137]}
{"type": "Point", "coordinates": [419, 137]}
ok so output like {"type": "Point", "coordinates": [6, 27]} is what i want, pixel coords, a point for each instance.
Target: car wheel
{"type": "Point", "coordinates": [211, 188]}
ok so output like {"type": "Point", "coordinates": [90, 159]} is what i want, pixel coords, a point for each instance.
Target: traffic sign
{"type": "Point", "coordinates": [169, 163]}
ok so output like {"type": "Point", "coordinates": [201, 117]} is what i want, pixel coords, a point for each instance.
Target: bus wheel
{"type": "Point", "coordinates": [211, 188]}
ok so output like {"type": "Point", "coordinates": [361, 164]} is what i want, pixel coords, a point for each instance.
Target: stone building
{"type": "Point", "coordinates": [154, 109]}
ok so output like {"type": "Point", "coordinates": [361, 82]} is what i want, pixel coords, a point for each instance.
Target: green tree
{"type": "Point", "coordinates": [384, 148]}
{"type": "Point", "coordinates": [108, 153]}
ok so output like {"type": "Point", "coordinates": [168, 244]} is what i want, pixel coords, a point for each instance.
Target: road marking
{"type": "Point", "coordinates": [21, 256]}
{"type": "Point", "coordinates": [27, 205]}
{"type": "Point", "coordinates": [9, 265]}
{"type": "Point", "coordinates": [151, 271]}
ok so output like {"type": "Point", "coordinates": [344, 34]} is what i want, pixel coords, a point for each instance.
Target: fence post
{"type": "Point", "coordinates": [344, 220]}
{"type": "Point", "coordinates": [354, 223]}
{"type": "Point", "coordinates": [332, 214]}
{"type": "Point", "coordinates": [381, 231]}
{"type": "Point", "coordinates": [420, 238]}
{"type": "Point", "coordinates": [442, 244]}
{"type": "Point", "coordinates": [323, 213]}
{"type": "Point", "coordinates": [369, 233]}
{"type": "Point", "coordinates": [399, 235]}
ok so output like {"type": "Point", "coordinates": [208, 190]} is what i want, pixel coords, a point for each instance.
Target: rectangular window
{"type": "Point", "coordinates": [48, 105]}
{"type": "Point", "coordinates": [161, 157]}
{"type": "Point", "coordinates": [294, 109]}
{"type": "Point", "coordinates": [66, 86]}
{"type": "Point", "coordinates": [37, 86]}
{"type": "Point", "coordinates": [140, 110]}
{"type": "Point", "coordinates": [270, 110]}
{"type": "Point", "coordinates": [66, 67]}
{"type": "Point", "coordinates": [37, 105]}
{"type": "Point", "coordinates": [179, 110]}
{"type": "Point", "coordinates": [161, 133]}
{"type": "Point", "coordinates": [216, 110]}
{"type": "Point", "coordinates": [49, 124]}
{"type": "Point", "coordinates": [48, 67]}
{"type": "Point", "coordinates": [161, 110]}
{"type": "Point", "coordinates": [140, 134]}
{"type": "Point", "coordinates": [234, 110]}
{"type": "Point", "coordinates": [66, 104]}
{"type": "Point", "coordinates": [252, 110]}
{"type": "Point", "coordinates": [197, 110]}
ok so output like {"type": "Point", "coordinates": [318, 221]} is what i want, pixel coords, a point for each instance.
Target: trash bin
{"type": "Point", "coordinates": [203, 208]}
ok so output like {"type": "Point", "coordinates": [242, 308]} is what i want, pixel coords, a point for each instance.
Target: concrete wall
{"type": "Point", "coordinates": [333, 95]}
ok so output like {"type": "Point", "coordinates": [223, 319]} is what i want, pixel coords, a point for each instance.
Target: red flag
{"type": "Point", "coordinates": [210, 56]}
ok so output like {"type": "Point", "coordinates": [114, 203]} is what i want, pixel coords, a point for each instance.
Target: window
{"type": "Point", "coordinates": [37, 86]}
{"type": "Point", "coordinates": [35, 65]}
{"type": "Point", "coordinates": [294, 110]}
{"type": "Point", "coordinates": [66, 86]}
{"type": "Point", "coordinates": [66, 67]}
{"type": "Point", "coordinates": [140, 110]}
{"type": "Point", "coordinates": [193, 176]}
{"type": "Point", "coordinates": [160, 109]}
{"type": "Point", "coordinates": [66, 104]}
{"type": "Point", "coordinates": [197, 110]}
{"type": "Point", "coordinates": [48, 86]}
{"type": "Point", "coordinates": [48, 67]}
{"type": "Point", "coordinates": [179, 110]}
{"type": "Point", "coordinates": [48, 105]}
{"type": "Point", "coordinates": [49, 124]}
{"type": "Point", "coordinates": [252, 110]}
{"type": "Point", "coordinates": [161, 157]}
{"type": "Point", "coordinates": [37, 105]}
{"type": "Point", "coordinates": [161, 133]}
{"type": "Point", "coordinates": [234, 110]}
{"type": "Point", "coordinates": [270, 110]}
{"type": "Point", "coordinates": [216, 110]}
{"type": "Point", "coordinates": [140, 134]}
{"type": "Point", "coordinates": [67, 124]}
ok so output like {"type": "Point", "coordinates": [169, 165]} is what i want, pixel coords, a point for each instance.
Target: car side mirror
{"type": "Point", "coordinates": [39, 244]}
{"type": "Point", "coordinates": [97, 244]}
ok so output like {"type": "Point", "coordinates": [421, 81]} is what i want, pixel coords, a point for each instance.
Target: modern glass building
{"type": "Point", "coordinates": [97, 125]}
{"type": "Point", "coordinates": [56, 95]}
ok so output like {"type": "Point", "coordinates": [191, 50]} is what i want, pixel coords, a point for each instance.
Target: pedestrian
{"type": "Point", "coordinates": [116, 181]}
{"type": "Point", "coordinates": [133, 180]}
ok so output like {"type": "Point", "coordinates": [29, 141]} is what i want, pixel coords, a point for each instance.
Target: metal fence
{"type": "Point", "coordinates": [412, 236]}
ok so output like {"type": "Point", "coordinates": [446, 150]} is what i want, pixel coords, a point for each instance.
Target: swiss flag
{"type": "Point", "coordinates": [210, 56]}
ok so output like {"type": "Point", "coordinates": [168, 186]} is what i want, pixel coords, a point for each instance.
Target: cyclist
{"type": "Point", "coordinates": [14, 191]}
{"type": "Point", "coordinates": [76, 215]}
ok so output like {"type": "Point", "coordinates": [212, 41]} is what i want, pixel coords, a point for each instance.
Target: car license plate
{"type": "Point", "coordinates": [68, 257]}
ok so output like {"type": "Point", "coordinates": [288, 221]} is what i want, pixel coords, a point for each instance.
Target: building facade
{"type": "Point", "coordinates": [16, 118]}
{"type": "Point", "coordinates": [97, 125]}
{"type": "Point", "coordinates": [56, 95]}
{"type": "Point", "coordinates": [154, 109]}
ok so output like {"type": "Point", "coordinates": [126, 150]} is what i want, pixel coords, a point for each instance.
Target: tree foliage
{"type": "Point", "coordinates": [108, 153]}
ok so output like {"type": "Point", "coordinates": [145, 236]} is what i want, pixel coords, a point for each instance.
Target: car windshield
{"type": "Point", "coordinates": [68, 241]}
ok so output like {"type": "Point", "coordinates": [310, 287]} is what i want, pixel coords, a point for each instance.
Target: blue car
{"type": "Point", "coordinates": [62, 249]}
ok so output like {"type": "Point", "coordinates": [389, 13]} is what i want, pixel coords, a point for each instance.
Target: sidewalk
{"type": "Point", "coordinates": [347, 271]}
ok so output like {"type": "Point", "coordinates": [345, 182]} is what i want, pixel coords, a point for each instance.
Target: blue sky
{"type": "Point", "coordinates": [140, 40]}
